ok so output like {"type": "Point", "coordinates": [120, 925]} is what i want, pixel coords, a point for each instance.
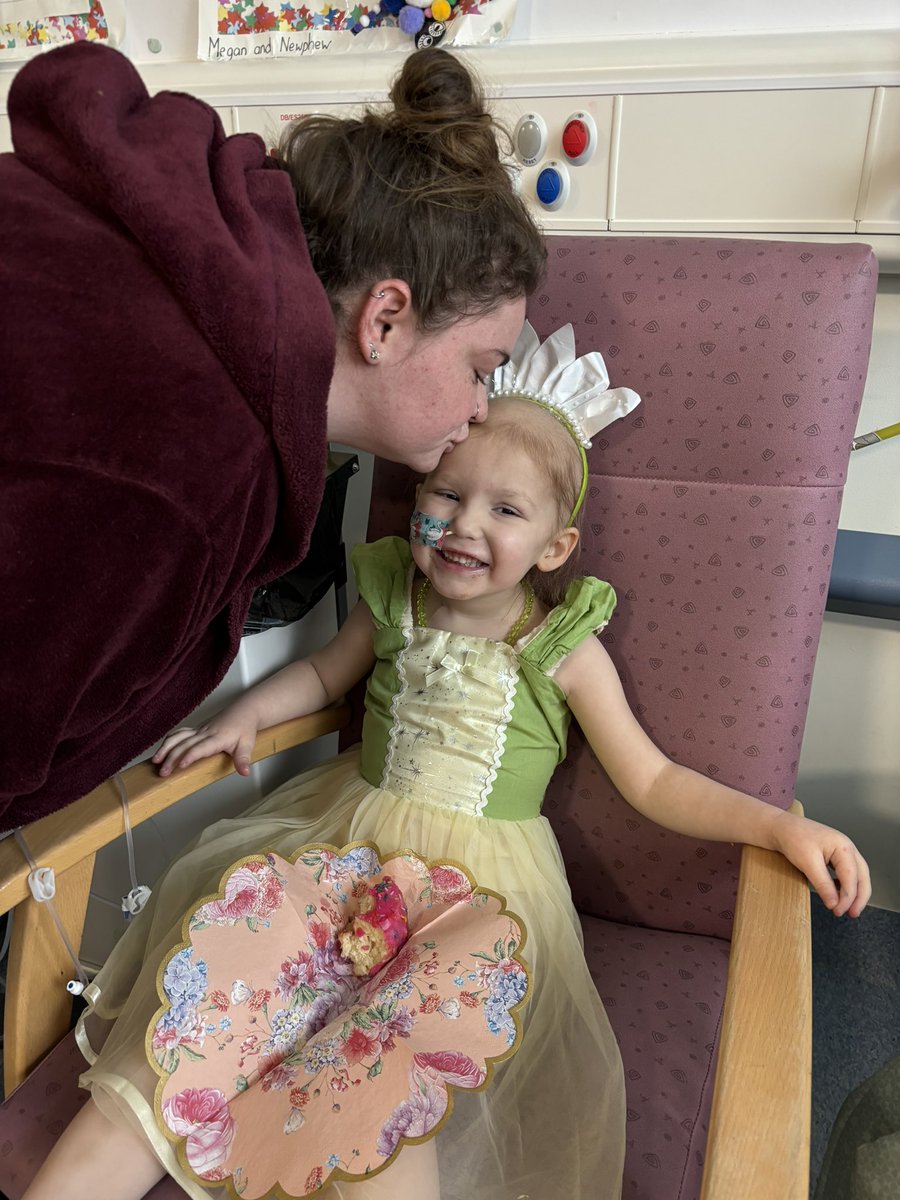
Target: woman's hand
{"type": "Point", "coordinates": [228, 731]}
{"type": "Point", "coordinates": [813, 848]}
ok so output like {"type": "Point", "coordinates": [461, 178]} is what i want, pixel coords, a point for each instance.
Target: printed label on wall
{"type": "Point", "coordinates": [244, 29]}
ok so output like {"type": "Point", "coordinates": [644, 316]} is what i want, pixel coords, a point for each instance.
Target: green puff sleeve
{"type": "Point", "coordinates": [588, 605]}
{"type": "Point", "coordinates": [382, 571]}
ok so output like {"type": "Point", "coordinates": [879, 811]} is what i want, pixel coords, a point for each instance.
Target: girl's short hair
{"type": "Point", "coordinates": [542, 438]}
{"type": "Point", "coordinates": [418, 192]}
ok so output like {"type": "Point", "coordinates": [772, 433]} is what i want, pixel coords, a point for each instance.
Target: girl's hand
{"type": "Point", "coordinates": [813, 848]}
{"type": "Point", "coordinates": [225, 731]}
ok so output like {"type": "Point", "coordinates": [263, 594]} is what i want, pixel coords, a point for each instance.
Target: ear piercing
{"type": "Point", "coordinates": [373, 353]}
{"type": "Point", "coordinates": [377, 295]}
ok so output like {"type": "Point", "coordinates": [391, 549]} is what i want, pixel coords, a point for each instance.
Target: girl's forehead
{"type": "Point", "coordinates": [489, 461]}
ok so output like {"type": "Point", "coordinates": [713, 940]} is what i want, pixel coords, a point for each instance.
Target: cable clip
{"type": "Point", "coordinates": [42, 883]}
{"type": "Point", "coordinates": [135, 901]}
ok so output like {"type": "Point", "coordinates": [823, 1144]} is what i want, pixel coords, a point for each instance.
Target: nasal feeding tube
{"type": "Point", "coordinates": [426, 530]}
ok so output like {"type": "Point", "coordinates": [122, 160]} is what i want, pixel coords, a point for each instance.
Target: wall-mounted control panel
{"type": "Point", "coordinates": [561, 156]}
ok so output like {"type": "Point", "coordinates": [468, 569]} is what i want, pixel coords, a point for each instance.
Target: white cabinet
{"type": "Point", "coordinates": [760, 161]}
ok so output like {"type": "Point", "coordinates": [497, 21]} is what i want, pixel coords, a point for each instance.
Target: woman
{"type": "Point", "coordinates": [185, 328]}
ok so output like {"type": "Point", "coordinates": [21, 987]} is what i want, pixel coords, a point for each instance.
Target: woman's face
{"type": "Point", "coordinates": [432, 393]}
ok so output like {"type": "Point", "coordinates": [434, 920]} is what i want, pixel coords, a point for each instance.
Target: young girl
{"type": "Point", "coordinates": [480, 654]}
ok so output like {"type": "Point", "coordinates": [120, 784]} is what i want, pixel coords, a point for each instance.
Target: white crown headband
{"type": "Point", "coordinates": [575, 390]}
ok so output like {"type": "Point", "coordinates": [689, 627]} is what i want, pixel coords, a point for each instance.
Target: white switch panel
{"type": "Point", "coordinates": [586, 205]}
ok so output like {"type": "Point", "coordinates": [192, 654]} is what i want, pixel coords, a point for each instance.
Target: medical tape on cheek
{"type": "Point", "coordinates": [425, 530]}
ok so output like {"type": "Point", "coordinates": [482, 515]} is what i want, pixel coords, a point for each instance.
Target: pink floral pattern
{"type": "Point", "coordinates": [252, 893]}
{"type": "Point", "coordinates": [201, 1117]}
{"type": "Point", "coordinates": [297, 1044]}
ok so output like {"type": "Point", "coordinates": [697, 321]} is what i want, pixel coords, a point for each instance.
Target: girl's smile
{"type": "Point", "coordinates": [502, 517]}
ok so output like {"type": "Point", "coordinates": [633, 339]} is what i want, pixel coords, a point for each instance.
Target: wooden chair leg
{"type": "Point", "coordinates": [38, 1007]}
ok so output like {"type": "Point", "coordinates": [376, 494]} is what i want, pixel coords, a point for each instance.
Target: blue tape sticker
{"type": "Point", "coordinates": [425, 530]}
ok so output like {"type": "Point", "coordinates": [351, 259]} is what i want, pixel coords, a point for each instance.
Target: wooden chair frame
{"type": "Point", "coordinates": [758, 1146]}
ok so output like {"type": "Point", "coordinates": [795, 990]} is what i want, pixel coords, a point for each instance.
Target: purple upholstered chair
{"type": "Point", "coordinates": [713, 512]}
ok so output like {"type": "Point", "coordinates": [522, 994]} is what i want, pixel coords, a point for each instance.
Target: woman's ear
{"type": "Point", "coordinates": [385, 321]}
{"type": "Point", "coordinates": [558, 549]}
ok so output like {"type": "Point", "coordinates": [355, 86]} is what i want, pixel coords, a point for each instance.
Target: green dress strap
{"type": "Point", "coordinates": [382, 571]}
{"type": "Point", "coordinates": [588, 605]}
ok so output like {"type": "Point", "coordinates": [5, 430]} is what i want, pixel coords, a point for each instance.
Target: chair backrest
{"type": "Point", "coordinates": [713, 511]}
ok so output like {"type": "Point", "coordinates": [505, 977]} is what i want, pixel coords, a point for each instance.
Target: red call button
{"type": "Point", "coordinates": [575, 139]}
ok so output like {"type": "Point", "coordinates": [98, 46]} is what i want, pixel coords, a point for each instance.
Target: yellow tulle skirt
{"type": "Point", "coordinates": [551, 1123]}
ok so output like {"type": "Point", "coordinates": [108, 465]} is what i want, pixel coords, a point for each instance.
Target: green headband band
{"type": "Point", "coordinates": [569, 428]}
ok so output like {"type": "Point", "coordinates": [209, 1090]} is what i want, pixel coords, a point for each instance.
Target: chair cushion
{"type": "Point", "coordinates": [663, 993]}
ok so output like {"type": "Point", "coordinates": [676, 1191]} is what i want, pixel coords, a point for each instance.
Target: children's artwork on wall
{"type": "Point", "coordinates": [247, 29]}
{"type": "Point", "coordinates": [28, 27]}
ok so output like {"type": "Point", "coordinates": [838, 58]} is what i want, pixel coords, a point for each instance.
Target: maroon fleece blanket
{"type": "Point", "coordinates": [167, 353]}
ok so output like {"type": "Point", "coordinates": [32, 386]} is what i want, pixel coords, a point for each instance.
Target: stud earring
{"type": "Point", "coordinates": [373, 353]}
{"type": "Point", "coordinates": [377, 295]}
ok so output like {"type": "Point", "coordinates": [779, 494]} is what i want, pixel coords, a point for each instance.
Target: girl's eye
{"type": "Point", "coordinates": [446, 495]}
{"type": "Point", "coordinates": [507, 511]}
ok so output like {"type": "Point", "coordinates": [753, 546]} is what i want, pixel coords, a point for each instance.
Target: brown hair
{"type": "Point", "coordinates": [540, 436]}
{"type": "Point", "coordinates": [418, 192]}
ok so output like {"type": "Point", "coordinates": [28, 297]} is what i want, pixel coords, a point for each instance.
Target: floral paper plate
{"type": "Point", "coordinates": [280, 1068]}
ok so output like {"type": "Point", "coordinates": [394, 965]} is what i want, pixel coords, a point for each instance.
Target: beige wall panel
{"type": "Point", "coordinates": [270, 121]}
{"type": "Point", "coordinates": [753, 161]}
{"type": "Point", "coordinates": [227, 118]}
{"type": "Point", "coordinates": [880, 207]}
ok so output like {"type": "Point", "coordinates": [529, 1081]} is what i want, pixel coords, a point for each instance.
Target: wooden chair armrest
{"type": "Point", "coordinates": [758, 1146]}
{"type": "Point", "coordinates": [78, 831]}
{"type": "Point", "coordinates": [38, 1007]}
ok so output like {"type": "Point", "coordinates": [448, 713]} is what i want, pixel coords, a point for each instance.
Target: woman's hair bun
{"type": "Point", "coordinates": [417, 190]}
{"type": "Point", "coordinates": [433, 83]}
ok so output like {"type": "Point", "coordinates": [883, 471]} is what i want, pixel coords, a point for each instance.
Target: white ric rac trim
{"type": "Point", "coordinates": [406, 628]}
{"type": "Point", "coordinates": [510, 678]}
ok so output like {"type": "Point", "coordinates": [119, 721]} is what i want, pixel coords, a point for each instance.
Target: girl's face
{"type": "Point", "coordinates": [502, 516]}
{"type": "Point", "coordinates": [438, 388]}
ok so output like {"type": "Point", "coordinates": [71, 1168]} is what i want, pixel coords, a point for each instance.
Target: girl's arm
{"type": "Point", "coordinates": [687, 802]}
{"type": "Point", "coordinates": [300, 688]}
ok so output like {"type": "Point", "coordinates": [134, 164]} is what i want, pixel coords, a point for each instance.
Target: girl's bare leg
{"type": "Point", "coordinates": [413, 1175]}
{"type": "Point", "coordinates": [96, 1158]}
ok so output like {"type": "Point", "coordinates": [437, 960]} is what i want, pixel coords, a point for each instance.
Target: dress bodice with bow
{"type": "Point", "coordinates": [465, 723]}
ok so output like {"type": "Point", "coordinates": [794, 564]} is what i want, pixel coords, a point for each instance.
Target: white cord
{"type": "Point", "coordinates": [123, 796]}
{"type": "Point", "coordinates": [42, 883]}
{"type": "Point", "coordinates": [140, 893]}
